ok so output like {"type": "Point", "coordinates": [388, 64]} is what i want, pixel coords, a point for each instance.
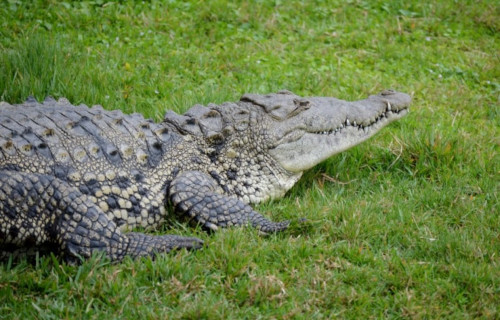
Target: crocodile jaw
{"type": "Point", "coordinates": [310, 144]}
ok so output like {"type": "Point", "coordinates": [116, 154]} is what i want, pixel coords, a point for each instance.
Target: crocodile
{"type": "Point", "coordinates": [76, 180]}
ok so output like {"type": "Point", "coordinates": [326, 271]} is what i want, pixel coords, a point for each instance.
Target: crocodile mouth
{"type": "Point", "coordinates": [303, 147]}
{"type": "Point", "coordinates": [387, 115]}
{"type": "Point", "coordinates": [364, 126]}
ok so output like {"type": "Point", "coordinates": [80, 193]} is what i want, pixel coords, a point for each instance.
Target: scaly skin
{"type": "Point", "coordinates": [76, 180]}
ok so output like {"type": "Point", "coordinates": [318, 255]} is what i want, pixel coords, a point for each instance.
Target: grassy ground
{"type": "Point", "coordinates": [407, 228]}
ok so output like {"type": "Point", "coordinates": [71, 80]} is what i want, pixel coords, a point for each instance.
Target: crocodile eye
{"type": "Point", "coordinates": [301, 105]}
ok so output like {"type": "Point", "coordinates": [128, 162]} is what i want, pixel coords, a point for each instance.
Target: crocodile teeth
{"type": "Point", "coordinates": [360, 126]}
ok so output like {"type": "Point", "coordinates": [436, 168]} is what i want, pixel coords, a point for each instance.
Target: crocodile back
{"type": "Point", "coordinates": [57, 136]}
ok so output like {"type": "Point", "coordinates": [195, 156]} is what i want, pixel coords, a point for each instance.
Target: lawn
{"type": "Point", "coordinates": [405, 225]}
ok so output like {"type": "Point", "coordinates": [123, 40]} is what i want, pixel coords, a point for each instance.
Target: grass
{"type": "Point", "coordinates": [407, 228]}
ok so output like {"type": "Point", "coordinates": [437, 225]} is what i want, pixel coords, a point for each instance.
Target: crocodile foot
{"type": "Point", "coordinates": [199, 196]}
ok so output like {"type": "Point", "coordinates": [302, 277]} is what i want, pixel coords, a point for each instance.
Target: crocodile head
{"type": "Point", "coordinates": [306, 131]}
{"type": "Point", "coordinates": [260, 146]}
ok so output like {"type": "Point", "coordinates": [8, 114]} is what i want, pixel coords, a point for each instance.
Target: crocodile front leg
{"type": "Point", "coordinates": [199, 196]}
{"type": "Point", "coordinates": [39, 210]}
